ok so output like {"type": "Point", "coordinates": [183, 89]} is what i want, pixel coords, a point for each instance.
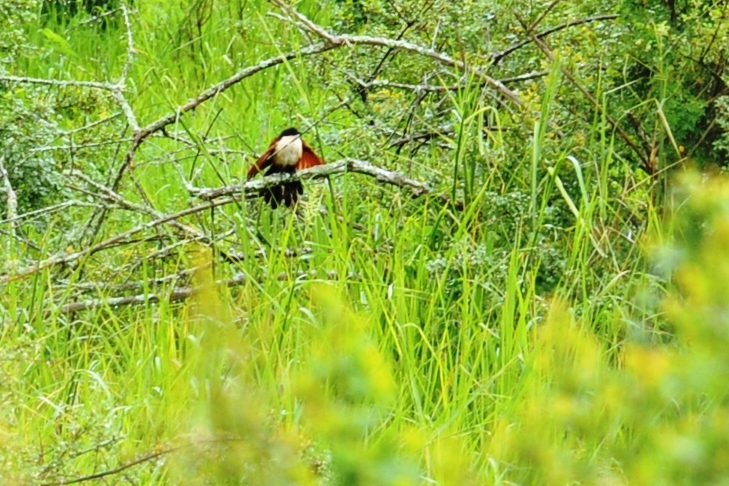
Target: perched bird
{"type": "Point", "coordinates": [287, 153]}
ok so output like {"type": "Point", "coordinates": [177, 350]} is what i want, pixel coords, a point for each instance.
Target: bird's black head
{"type": "Point", "coordinates": [289, 132]}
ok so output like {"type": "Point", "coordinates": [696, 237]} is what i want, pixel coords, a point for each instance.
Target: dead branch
{"type": "Point", "coordinates": [38, 212]}
{"type": "Point", "coordinates": [340, 167]}
{"type": "Point", "coordinates": [377, 83]}
{"type": "Point", "coordinates": [175, 295]}
{"type": "Point", "coordinates": [113, 241]}
{"type": "Point", "coordinates": [160, 451]}
{"type": "Point", "coordinates": [83, 287]}
{"type": "Point", "coordinates": [143, 459]}
{"type": "Point", "coordinates": [118, 92]}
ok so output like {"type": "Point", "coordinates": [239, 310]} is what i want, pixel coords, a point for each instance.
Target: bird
{"type": "Point", "coordinates": [287, 154]}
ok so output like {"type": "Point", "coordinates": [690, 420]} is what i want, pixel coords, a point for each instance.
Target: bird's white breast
{"type": "Point", "coordinates": [288, 150]}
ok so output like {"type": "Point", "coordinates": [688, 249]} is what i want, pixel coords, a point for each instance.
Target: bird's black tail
{"type": "Point", "coordinates": [286, 192]}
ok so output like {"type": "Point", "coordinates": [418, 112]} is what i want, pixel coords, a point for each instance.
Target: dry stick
{"type": "Point", "coordinates": [175, 295]}
{"type": "Point", "coordinates": [429, 88]}
{"type": "Point", "coordinates": [146, 458]}
{"type": "Point", "coordinates": [621, 132]}
{"type": "Point", "coordinates": [543, 15]}
{"type": "Point", "coordinates": [92, 124]}
{"type": "Point", "coordinates": [420, 137]}
{"type": "Point", "coordinates": [50, 148]}
{"type": "Point", "coordinates": [108, 194]}
{"type": "Point", "coordinates": [344, 39]}
{"type": "Point", "coordinates": [130, 47]}
{"type": "Point", "coordinates": [525, 77]}
{"type": "Point", "coordinates": [81, 287]}
{"type": "Point", "coordinates": [118, 92]}
{"type": "Point", "coordinates": [381, 64]}
{"type": "Point", "coordinates": [72, 257]}
{"type": "Point", "coordinates": [48, 209]}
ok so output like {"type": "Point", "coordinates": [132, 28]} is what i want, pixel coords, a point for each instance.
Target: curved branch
{"type": "Point", "coordinates": [209, 93]}
{"type": "Point", "coordinates": [344, 39]}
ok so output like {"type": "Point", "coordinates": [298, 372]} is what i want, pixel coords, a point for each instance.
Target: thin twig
{"type": "Point", "coordinates": [59, 83]}
{"type": "Point", "coordinates": [120, 86]}
{"type": "Point", "coordinates": [48, 209]}
{"type": "Point", "coordinates": [93, 124]}
{"type": "Point", "coordinates": [130, 48]}
{"type": "Point", "coordinates": [498, 56]}
{"type": "Point", "coordinates": [143, 459]}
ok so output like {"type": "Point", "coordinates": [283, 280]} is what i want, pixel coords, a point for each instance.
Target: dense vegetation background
{"type": "Point", "coordinates": [513, 272]}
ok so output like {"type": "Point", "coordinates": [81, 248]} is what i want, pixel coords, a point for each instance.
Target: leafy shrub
{"type": "Point", "coordinates": [675, 54]}
{"type": "Point", "coordinates": [13, 14]}
{"type": "Point", "coordinates": [27, 123]}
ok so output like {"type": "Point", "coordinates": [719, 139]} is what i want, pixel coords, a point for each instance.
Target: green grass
{"type": "Point", "coordinates": [412, 342]}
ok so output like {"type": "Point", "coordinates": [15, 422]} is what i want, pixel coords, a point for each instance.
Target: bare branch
{"type": "Point", "coordinates": [37, 212]}
{"type": "Point", "coordinates": [50, 148]}
{"type": "Point", "coordinates": [93, 124]}
{"type": "Point", "coordinates": [433, 88]}
{"type": "Point", "coordinates": [340, 167]}
{"type": "Point", "coordinates": [130, 48]}
{"type": "Point", "coordinates": [120, 86]}
{"type": "Point", "coordinates": [525, 77]}
{"type": "Point", "coordinates": [143, 459]}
